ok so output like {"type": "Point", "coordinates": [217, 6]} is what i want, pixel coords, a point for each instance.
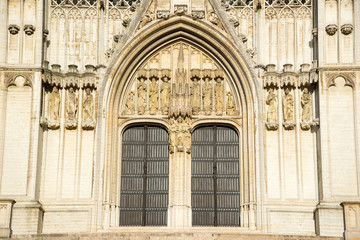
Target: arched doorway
{"type": "Point", "coordinates": [144, 176]}
{"type": "Point", "coordinates": [157, 83]}
{"type": "Point", "coordinates": [215, 183]}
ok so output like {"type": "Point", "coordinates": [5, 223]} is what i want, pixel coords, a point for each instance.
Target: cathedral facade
{"type": "Point", "coordinates": [180, 117]}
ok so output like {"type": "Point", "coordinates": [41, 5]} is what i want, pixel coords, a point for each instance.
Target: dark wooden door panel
{"type": "Point", "coordinates": [215, 186]}
{"type": "Point", "coordinates": [144, 177]}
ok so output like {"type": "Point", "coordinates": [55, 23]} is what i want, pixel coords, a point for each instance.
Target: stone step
{"type": "Point", "coordinates": [157, 234]}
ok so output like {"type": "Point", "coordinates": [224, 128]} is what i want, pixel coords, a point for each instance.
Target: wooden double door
{"type": "Point", "coordinates": [215, 192]}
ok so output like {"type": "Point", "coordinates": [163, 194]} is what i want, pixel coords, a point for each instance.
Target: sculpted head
{"type": "Point", "coordinates": [306, 90]}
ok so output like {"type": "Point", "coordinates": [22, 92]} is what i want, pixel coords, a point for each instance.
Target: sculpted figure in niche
{"type": "Point", "coordinates": [207, 96]}
{"type": "Point", "coordinates": [141, 95]}
{"type": "Point", "coordinates": [88, 105]}
{"type": "Point", "coordinates": [195, 95]}
{"type": "Point", "coordinates": [172, 135]}
{"type": "Point", "coordinates": [72, 104]}
{"type": "Point", "coordinates": [54, 106]}
{"type": "Point", "coordinates": [153, 94]}
{"type": "Point", "coordinates": [219, 95]}
{"type": "Point", "coordinates": [288, 106]}
{"type": "Point", "coordinates": [130, 105]}
{"type": "Point", "coordinates": [165, 95]}
{"type": "Point", "coordinates": [271, 100]}
{"type": "Point", "coordinates": [230, 105]}
{"type": "Point", "coordinates": [306, 105]}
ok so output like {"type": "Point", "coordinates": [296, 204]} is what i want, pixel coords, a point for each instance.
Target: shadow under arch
{"type": "Point", "coordinates": [130, 56]}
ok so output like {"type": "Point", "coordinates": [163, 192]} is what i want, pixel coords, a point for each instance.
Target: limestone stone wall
{"type": "Point", "coordinates": [289, 75]}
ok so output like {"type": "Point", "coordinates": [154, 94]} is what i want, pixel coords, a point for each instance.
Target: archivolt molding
{"type": "Point", "coordinates": [349, 77]}
{"type": "Point", "coordinates": [134, 55]}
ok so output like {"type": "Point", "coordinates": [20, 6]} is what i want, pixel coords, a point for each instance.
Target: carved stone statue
{"type": "Point", "coordinates": [207, 96]}
{"type": "Point", "coordinates": [195, 95]}
{"type": "Point", "coordinates": [130, 105]}
{"type": "Point", "coordinates": [179, 134]}
{"type": "Point", "coordinates": [230, 105]}
{"type": "Point", "coordinates": [271, 100]}
{"type": "Point", "coordinates": [165, 95]}
{"type": "Point", "coordinates": [54, 104]}
{"type": "Point", "coordinates": [306, 105]}
{"type": "Point", "coordinates": [141, 90]}
{"type": "Point", "coordinates": [88, 105]}
{"type": "Point", "coordinates": [72, 104]}
{"type": "Point", "coordinates": [288, 106]}
{"type": "Point", "coordinates": [154, 96]}
{"type": "Point", "coordinates": [219, 95]}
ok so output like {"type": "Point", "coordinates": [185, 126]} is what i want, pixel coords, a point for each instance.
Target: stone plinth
{"type": "Point", "coordinates": [352, 220]}
{"type": "Point", "coordinates": [6, 206]}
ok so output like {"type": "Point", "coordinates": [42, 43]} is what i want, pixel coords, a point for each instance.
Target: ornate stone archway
{"type": "Point", "coordinates": [180, 74]}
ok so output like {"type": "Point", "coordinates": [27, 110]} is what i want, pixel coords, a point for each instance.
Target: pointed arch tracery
{"type": "Point", "coordinates": [143, 57]}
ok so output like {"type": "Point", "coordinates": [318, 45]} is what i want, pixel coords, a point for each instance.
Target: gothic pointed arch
{"type": "Point", "coordinates": [179, 51]}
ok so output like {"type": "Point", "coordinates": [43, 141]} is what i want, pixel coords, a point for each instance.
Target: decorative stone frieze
{"type": "Point", "coordinates": [180, 9]}
{"type": "Point", "coordinates": [331, 29]}
{"type": "Point", "coordinates": [198, 14]}
{"type": "Point", "coordinates": [346, 29]}
{"type": "Point", "coordinates": [163, 14]}
{"type": "Point", "coordinates": [29, 29]}
{"type": "Point", "coordinates": [13, 29]}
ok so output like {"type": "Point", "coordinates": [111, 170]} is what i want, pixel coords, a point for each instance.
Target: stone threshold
{"type": "Point", "coordinates": [156, 233]}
